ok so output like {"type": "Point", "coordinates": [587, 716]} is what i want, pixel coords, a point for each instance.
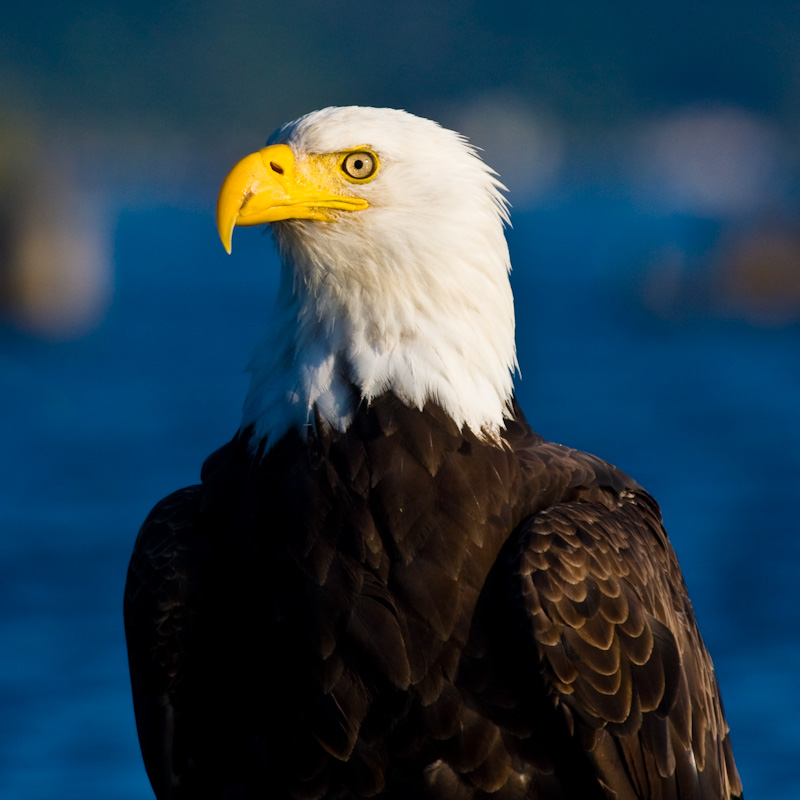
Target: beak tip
{"type": "Point", "coordinates": [225, 230]}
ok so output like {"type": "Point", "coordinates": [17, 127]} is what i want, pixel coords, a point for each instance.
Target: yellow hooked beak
{"type": "Point", "coordinates": [272, 185]}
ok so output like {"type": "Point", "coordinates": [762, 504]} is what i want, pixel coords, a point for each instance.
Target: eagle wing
{"type": "Point", "coordinates": [600, 596]}
{"type": "Point", "coordinates": [159, 626]}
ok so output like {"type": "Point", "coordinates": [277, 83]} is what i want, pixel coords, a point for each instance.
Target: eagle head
{"type": "Point", "coordinates": [395, 271]}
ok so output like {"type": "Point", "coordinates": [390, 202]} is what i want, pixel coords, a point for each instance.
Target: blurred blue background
{"type": "Point", "coordinates": [651, 152]}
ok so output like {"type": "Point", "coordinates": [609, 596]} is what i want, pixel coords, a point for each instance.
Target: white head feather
{"type": "Point", "coordinates": [410, 295]}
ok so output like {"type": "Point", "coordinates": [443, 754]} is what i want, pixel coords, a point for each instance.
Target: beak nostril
{"type": "Point", "coordinates": [276, 167]}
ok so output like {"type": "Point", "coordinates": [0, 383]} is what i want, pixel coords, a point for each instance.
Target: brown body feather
{"type": "Point", "coordinates": [406, 611]}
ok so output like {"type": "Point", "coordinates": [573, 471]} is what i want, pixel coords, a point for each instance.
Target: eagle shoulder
{"type": "Point", "coordinates": [159, 609]}
{"type": "Point", "coordinates": [604, 628]}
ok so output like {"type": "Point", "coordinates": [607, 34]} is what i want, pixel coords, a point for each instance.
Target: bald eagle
{"type": "Point", "coordinates": [387, 584]}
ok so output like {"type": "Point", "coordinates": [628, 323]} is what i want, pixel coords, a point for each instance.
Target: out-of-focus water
{"type": "Point", "coordinates": [702, 410]}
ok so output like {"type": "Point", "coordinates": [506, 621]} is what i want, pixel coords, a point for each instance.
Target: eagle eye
{"type": "Point", "coordinates": [360, 165]}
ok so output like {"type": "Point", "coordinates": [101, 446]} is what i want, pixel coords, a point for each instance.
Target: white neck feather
{"type": "Point", "coordinates": [410, 299]}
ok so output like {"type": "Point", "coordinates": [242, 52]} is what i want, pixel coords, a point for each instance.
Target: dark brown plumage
{"type": "Point", "coordinates": [406, 611]}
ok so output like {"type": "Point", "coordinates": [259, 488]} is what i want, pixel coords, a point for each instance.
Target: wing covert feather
{"type": "Point", "coordinates": [604, 600]}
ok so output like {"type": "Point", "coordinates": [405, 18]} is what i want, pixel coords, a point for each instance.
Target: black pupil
{"type": "Point", "coordinates": [358, 164]}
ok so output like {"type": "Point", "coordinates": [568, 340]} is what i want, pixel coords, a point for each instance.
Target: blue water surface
{"type": "Point", "coordinates": [701, 409]}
